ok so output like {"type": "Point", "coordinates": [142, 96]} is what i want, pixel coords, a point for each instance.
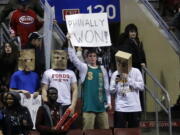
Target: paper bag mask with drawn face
{"type": "Point", "coordinates": [26, 60]}
{"type": "Point", "coordinates": [123, 62]}
{"type": "Point", "coordinates": [59, 59]}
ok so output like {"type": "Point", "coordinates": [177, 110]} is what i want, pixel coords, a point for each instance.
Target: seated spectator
{"type": "Point", "coordinates": [49, 114]}
{"type": "Point", "coordinates": [25, 80]}
{"type": "Point", "coordinates": [24, 21]}
{"type": "Point", "coordinates": [35, 42]}
{"type": "Point", "coordinates": [8, 60]}
{"type": "Point", "coordinates": [16, 118]}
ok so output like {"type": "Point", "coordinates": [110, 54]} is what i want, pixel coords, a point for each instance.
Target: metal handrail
{"type": "Point", "coordinates": [5, 29]}
{"type": "Point", "coordinates": [2, 34]}
{"type": "Point", "coordinates": [163, 25]}
{"type": "Point", "coordinates": [59, 32]}
{"type": "Point", "coordinates": [146, 72]}
{"type": "Point", "coordinates": [5, 36]}
{"type": "Point", "coordinates": [157, 82]}
{"type": "Point", "coordinates": [157, 100]}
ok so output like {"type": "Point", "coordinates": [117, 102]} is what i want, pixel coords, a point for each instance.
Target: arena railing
{"type": "Point", "coordinates": [153, 94]}
{"type": "Point", "coordinates": [5, 36]}
{"type": "Point", "coordinates": [175, 41]}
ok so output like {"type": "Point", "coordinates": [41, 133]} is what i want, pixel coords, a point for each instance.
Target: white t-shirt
{"type": "Point", "coordinates": [127, 94]}
{"type": "Point", "coordinates": [61, 80]}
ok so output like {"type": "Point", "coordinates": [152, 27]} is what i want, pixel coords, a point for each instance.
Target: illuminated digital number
{"type": "Point", "coordinates": [110, 9]}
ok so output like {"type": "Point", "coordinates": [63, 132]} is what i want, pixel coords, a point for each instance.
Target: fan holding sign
{"type": "Point", "coordinates": [94, 78]}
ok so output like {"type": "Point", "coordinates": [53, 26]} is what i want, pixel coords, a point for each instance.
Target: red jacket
{"type": "Point", "coordinates": [23, 23]}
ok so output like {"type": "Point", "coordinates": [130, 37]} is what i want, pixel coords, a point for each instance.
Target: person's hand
{"type": "Point", "coordinates": [79, 49]}
{"type": "Point", "coordinates": [53, 128]}
{"type": "Point", "coordinates": [68, 36]}
{"type": "Point", "coordinates": [143, 64]}
{"type": "Point", "coordinates": [35, 94]}
{"type": "Point", "coordinates": [117, 79]}
{"type": "Point", "coordinates": [109, 107]}
{"type": "Point", "coordinates": [121, 78]}
{"type": "Point", "coordinates": [124, 77]}
{"type": "Point", "coordinates": [26, 93]}
{"type": "Point", "coordinates": [12, 33]}
{"type": "Point", "coordinates": [72, 108]}
{"type": "Point", "coordinates": [55, 21]}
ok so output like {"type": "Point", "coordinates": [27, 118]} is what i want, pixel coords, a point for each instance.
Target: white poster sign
{"type": "Point", "coordinates": [49, 16]}
{"type": "Point", "coordinates": [32, 105]}
{"type": "Point", "coordinates": [88, 30]}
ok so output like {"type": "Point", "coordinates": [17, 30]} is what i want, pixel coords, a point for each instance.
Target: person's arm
{"type": "Point", "coordinates": [81, 66]}
{"type": "Point", "coordinates": [25, 92]}
{"type": "Point", "coordinates": [38, 21]}
{"type": "Point", "coordinates": [13, 24]}
{"type": "Point", "coordinates": [14, 86]}
{"type": "Point", "coordinates": [79, 53]}
{"type": "Point", "coordinates": [19, 91]}
{"type": "Point", "coordinates": [106, 86]}
{"type": "Point", "coordinates": [44, 92]}
{"type": "Point", "coordinates": [36, 6]}
{"type": "Point", "coordinates": [143, 56]}
{"type": "Point", "coordinates": [136, 81]}
{"type": "Point", "coordinates": [113, 83]}
{"type": "Point", "coordinates": [74, 96]}
{"type": "Point", "coordinates": [40, 122]}
{"type": "Point", "coordinates": [44, 85]}
{"type": "Point", "coordinates": [36, 93]}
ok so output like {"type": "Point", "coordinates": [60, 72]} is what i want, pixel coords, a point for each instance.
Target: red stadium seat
{"type": "Point", "coordinates": [75, 132]}
{"type": "Point", "coordinates": [34, 132]}
{"type": "Point", "coordinates": [98, 132]}
{"type": "Point", "coordinates": [127, 131]}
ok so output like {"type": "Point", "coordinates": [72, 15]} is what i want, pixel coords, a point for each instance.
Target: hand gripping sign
{"type": "Point", "coordinates": [66, 120]}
